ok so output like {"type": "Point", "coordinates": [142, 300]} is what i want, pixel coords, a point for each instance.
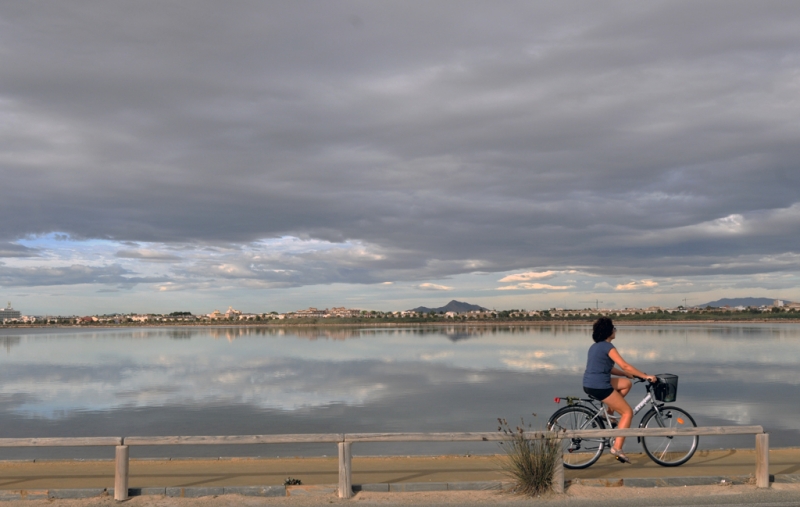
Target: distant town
{"type": "Point", "coordinates": [453, 312]}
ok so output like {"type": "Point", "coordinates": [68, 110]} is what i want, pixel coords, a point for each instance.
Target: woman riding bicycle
{"type": "Point", "coordinates": [598, 384]}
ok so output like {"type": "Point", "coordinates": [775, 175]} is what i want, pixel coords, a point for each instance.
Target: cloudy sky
{"type": "Point", "coordinates": [162, 156]}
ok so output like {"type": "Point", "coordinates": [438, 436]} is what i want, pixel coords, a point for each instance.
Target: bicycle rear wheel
{"type": "Point", "coordinates": [578, 452]}
{"type": "Point", "coordinates": [669, 451]}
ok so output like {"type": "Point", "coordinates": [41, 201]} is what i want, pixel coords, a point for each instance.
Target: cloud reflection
{"type": "Point", "coordinates": [729, 374]}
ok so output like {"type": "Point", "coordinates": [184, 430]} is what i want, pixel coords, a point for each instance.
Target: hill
{"type": "Point", "coordinates": [452, 306]}
{"type": "Point", "coordinates": [739, 302]}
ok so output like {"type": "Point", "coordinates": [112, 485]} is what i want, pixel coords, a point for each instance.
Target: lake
{"type": "Point", "coordinates": [228, 381]}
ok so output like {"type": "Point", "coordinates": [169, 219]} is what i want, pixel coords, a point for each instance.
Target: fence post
{"type": "Point", "coordinates": [762, 460]}
{"type": "Point", "coordinates": [558, 470]}
{"type": "Point", "coordinates": [121, 473]}
{"type": "Point", "coordinates": [345, 470]}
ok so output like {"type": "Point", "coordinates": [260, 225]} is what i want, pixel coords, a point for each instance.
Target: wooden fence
{"type": "Point", "coordinates": [345, 441]}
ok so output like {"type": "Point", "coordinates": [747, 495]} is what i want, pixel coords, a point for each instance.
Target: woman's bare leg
{"type": "Point", "coordinates": [621, 385]}
{"type": "Point", "coordinates": [617, 403]}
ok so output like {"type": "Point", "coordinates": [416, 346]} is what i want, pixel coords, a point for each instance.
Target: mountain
{"type": "Point", "coordinates": [452, 306]}
{"type": "Point", "coordinates": [739, 302]}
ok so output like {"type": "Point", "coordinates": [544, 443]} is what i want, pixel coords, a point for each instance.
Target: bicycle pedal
{"type": "Point", "coordinates": [619, 456]}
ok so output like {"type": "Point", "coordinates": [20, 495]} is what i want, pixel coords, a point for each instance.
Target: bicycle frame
{"type": "Point", "coordinates": [601, 410]}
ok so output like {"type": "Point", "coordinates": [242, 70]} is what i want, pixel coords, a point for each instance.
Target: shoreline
{"type": "Point", "coordinates": [531, 323]}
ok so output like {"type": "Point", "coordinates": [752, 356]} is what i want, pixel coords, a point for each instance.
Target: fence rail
{"type": "Point", "coordinates": [303, 438]}
{"type": "Point", "coordinates": [61, 442]}
{"type": "Point", "coordinates": [665, 432]}
{"type": "Point", "coordinates": [345, 441]}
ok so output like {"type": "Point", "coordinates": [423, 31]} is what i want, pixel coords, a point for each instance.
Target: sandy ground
{"type": "Point", "coordinates": [67, 474]}
{"type": "Point", "coordinates": [576, 495]}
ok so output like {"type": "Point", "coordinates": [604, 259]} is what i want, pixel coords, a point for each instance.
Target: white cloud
{"type": "Point", "coordinates": [535, 286]}
{"type": "Point", "coordinates": [530, 275]}
{"type": "Point", "coordinates": [636, 285]}
{"type": "Point", "coordinates": [433, 286]}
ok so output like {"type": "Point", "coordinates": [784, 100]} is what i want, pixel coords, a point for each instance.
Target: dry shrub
{"type": "Point", "coordinates": [530, 461]}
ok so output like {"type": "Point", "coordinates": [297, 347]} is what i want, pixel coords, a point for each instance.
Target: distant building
{"type": "Point", "coordinates": [310, 313]}
{"type": "Point", "coordinates": [9, 313]}
{"type": "Point", "coordinates": [315, 313]}
{"type": "Point", "coordinates": [343, 312]}
{"type": "Point", "coordinates": [231, 313]}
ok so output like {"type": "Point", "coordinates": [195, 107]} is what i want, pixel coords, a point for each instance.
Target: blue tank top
{"type": "Point", "coordinates": [598, 366]}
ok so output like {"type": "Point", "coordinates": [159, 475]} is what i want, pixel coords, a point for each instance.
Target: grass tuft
{"type": "Point", "coordinates": [530, 461]}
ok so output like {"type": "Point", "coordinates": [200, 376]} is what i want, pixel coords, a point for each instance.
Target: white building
{"type": "Point", "coordinates": [9, 313]}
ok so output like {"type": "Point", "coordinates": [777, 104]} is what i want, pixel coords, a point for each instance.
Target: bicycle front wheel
{"type": "Point", "coordinates": [578, 452]}
{"type": "Point", "coordinates": [669, 451]}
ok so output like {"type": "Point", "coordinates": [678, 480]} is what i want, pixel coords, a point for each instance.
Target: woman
{"type": "Point", "coordinates": [598, 384]}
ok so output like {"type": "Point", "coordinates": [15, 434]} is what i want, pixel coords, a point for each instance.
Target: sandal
{"type": "Point", "coordinates": [619, 455]}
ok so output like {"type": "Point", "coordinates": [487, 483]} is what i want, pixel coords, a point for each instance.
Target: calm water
{"type": "Point", "coordinates": [252, 381]}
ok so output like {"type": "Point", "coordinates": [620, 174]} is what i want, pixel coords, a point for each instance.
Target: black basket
{"type": "Point", "coordinates": [667, 388]}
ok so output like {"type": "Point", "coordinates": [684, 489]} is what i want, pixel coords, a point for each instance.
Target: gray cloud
{"type": "Point", "coordinates": [71, 275]}
{"type": "Point", "coordinates": [147, 255]}
{"type": "Point", "coordinates": [447, 138]}
{"type": "Point", "coordinates": [15, 250]}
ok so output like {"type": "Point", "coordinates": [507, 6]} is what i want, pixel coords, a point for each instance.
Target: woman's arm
{"type": "Point", "coordinates": [626, 368]}
{"type": "Point", "coordinates": [619, 373]}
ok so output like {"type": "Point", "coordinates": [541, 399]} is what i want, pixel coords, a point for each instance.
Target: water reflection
{"type": "Point", "coordinates": [316, 379]}
{"type": "Point", "coordinates": [180, 334]}
{"type": "Point", "coordinates": [10, 341]}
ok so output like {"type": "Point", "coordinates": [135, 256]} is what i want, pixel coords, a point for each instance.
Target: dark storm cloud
{"type": "Point", "coordinates": [450, 137]}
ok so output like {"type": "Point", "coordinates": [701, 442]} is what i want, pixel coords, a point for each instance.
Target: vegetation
{"type": "Point", "coordinates": [368, 318]}
{"type": "Point", "coordinates": [530, 462]}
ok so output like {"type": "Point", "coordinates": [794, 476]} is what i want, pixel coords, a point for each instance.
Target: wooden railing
{"type": "Point", "coordinates": [345, 441]}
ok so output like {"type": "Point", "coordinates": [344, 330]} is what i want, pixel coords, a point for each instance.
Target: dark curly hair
{"type": "Point", "coordinates": [602, 329]}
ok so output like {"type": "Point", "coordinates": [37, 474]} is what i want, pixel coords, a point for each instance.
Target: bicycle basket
{"type": "Point", "coordinates": [667, 388]}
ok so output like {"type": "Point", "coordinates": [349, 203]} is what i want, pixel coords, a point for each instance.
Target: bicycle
{"type": "Point", "coordinates": [589, 413]}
